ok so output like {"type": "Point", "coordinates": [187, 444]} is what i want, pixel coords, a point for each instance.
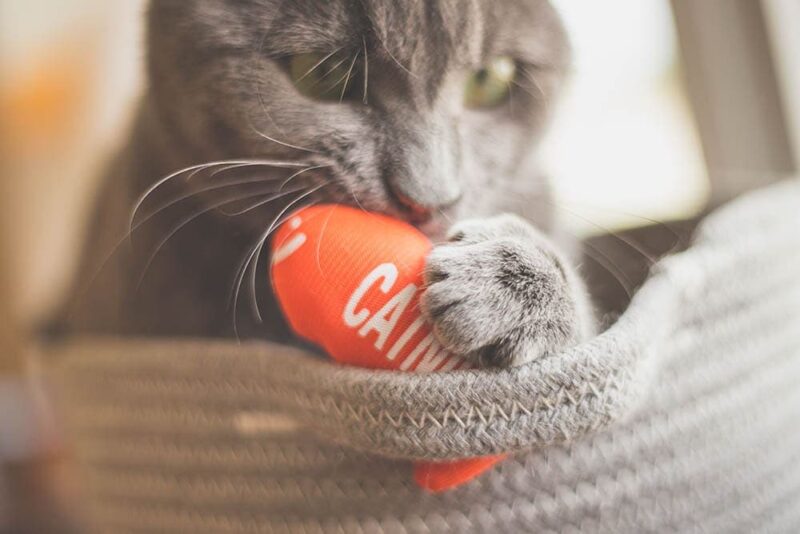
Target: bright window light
{"type": "Point", "coordinates": [623, 150]}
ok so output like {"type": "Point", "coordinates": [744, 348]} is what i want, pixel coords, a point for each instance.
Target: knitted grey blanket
{"type": "Point", "coordinates": [683, 416]}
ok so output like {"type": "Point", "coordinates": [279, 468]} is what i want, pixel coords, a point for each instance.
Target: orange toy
{"type": "Point", "coordinates": [349, 281]}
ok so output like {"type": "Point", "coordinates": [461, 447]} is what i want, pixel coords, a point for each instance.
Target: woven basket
{"type": "Point", "coordinates": [684, 415]}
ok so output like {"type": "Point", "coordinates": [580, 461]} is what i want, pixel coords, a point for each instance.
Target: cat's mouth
{"type": "Point", "coordinates": [413, 212]}
{"type": "Point", "coordinates": [423, 204]}
{"type": "Point", "coordinates": [432, 220]}
{"type": "Point", "coordinates": [389, 201]}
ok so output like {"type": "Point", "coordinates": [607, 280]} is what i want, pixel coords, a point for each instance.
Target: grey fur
{"type": "Point", "coordinates": [501, 292]}
{"type": "Point", "coordinates": [218, 91]}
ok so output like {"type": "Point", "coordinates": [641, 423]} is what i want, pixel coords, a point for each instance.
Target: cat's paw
{"type": "Point", "coordinates": [499, 293]}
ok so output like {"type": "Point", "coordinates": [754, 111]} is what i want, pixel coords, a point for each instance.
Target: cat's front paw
{"type": "Point", "coordinates": [499, 293]}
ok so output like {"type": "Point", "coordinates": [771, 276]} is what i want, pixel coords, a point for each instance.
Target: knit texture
{"type": "Point", "coordinates": [683, 416]}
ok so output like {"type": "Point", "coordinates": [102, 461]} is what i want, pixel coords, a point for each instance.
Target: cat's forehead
{"type": "Point", "coordinates": [455, 32]}
{"type": "Point", "coordinates": [468, 30]}
{"type": "Point", "coordinates": [419, 30]}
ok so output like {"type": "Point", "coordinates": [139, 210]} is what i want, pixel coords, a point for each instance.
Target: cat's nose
{"type": "Point", "coordinates": [423, 167]}
{"type": "Point", "coordinates": [419, 203]}
{"type": "Point", "coordinates": [416, 212]}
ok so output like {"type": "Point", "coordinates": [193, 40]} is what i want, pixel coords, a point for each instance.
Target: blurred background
{"type": "Point", "coordinates": [672, 107]}
{"type": "Point", "coordinates": [70, 78]}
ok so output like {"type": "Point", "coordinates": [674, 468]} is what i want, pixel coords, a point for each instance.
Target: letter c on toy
{"type": "Point", "coordinates": [388, 273]}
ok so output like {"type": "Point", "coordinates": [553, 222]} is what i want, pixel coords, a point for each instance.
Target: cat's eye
{"type": "Point", "coordinates": [490, 86]}
{"type": "Point", "coordinates": [331, 77]}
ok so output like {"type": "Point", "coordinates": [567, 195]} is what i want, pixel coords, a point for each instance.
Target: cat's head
{"type": "Point", "coordinates": [411, 107]}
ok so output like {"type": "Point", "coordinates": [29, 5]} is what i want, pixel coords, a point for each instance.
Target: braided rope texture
{"type": "Point", "coordinates": [684, 416]}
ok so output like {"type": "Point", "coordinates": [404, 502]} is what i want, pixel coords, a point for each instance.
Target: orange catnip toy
{"type": "Point", "coordinates": [350, 281]}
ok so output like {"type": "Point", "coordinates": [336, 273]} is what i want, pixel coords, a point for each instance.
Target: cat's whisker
{"type": "Point", "coordinates": [649, 220]}
{"type": "Point", "coordinates": [246, 181]}
{"type": "Point", "coordinates": [532, 78]}
{"type": "Point", "coordinates": [158, 184]}
{"type": "Point", "coordinates": [342, 77]}
{"type": "Point", "coordinates": [241, 271]}
{"type": "Point", "coordinates": [358, 202]}
{"type": "Point", "coordinates": [187, 220]}
{"type": "Point", "coordinates": [606, 230]}
{"type": "Point", "coordinates": [263, 135]}
{"type": "Point", "coordinates": [191, 176]}
{"type": "Point", "coordinates": [650, 259]}
{"type": "Point", "coordinates": [301, 172]}
{"type": "Point", "coordinates": [255, 253]}
{"type": "Point", "coordinates": [264, 108]}
{"type": "Point", "coordinates": [146, 218]}
{"type": "Point", "coordinates": [349, 73]}
{"type": "Point", "coordinates": [366, 69]}
{"type": "Point", "coordinates": [321, 236]}
{"type": "Point", "coordinates": [319, 64]}
{"type": "Point", "coordinates": [386, 48]}
{"type": "Point", "coordinates": [383, 44]}
{"type": "Point", "coordinates": [194, 169]}
{"type": "Point", "coordinates": [597, 254]}
{"type": "Point", "coordinates": [259, 92]}
{"type": "Point", "coordinates": [616, 272]}
{"type": "Point", "coordinates": [524, 88]}
{"type": "Point", "coordinates": [282, 143]}
{"type": "Point", "coordinates": [263, 200]}
{"type": "Point", "coordinates": [269, 232]}
{"type": "Point", "coordinates": [327, 74]}
{"type": "Point", "coordinates": [445, 216]}
{"type": "Point", "coordinates": [397, 61]}
{"type": "Point", "coordinates": [403, 67]}
{"type": "Point", "coordinates": [228, 168]}
{"type": "Point", "coordinates": [259, 198]}
{"type": "Point", "coordinates": [260, 203]}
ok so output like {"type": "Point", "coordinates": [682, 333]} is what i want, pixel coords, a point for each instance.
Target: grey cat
{"type": "Point", "coordinates": [426, 110]}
